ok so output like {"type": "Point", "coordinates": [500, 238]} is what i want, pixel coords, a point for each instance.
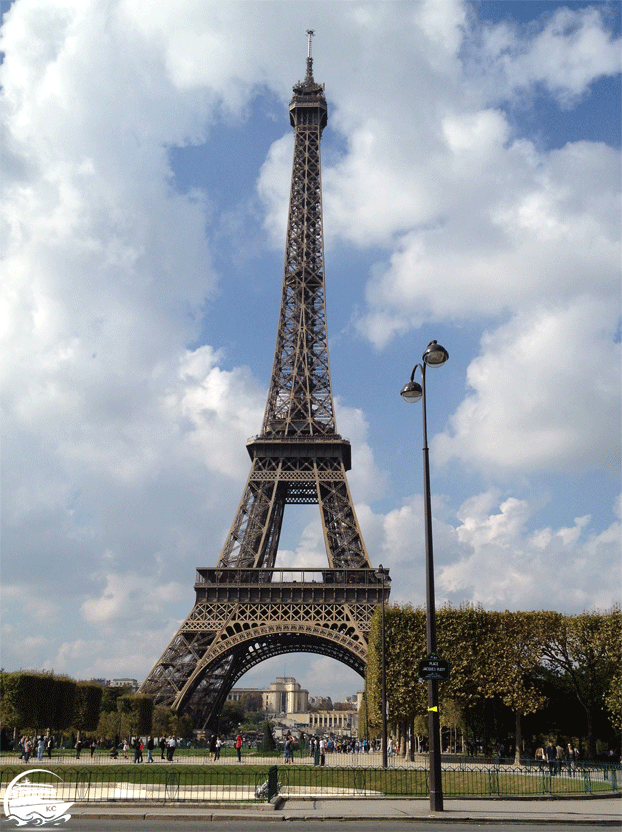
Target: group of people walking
{"type": "Point", "coordinates": [556, 755]}
{"type": "Point", "coordinates": [166, 745]}
{"type": "Point", "coordinates": [29, 746]}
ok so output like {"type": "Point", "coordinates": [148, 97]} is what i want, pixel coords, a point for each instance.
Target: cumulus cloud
{"type": "Point", "coordinates": [504, 565]}
{"type": "Point", "coordinates": [548, 364]}
{"type": "Point", "coordinates": [493, 552]}
{"type": "Point", "coordinates": [564, 52]}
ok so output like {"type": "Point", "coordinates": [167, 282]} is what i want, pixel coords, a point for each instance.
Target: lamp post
{"type": "Point", "coordinates": [434, 356]}
{"type": "Point", "coordinates": [383, 574]}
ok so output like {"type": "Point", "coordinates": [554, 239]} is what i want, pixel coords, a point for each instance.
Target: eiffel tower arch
{"type": "Point", "coordinates": [247, 609]}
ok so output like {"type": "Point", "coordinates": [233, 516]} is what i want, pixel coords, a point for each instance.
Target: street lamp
{"type": "Point", "coordinates": [434, 356]}
{"type": "Point", "coordinates": [383, 574]}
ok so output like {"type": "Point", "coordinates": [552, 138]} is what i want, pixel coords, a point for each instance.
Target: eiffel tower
{"type": "Point", "coordinates": [246, 609]}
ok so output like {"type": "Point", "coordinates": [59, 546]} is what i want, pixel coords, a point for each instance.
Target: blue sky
{"type": "Point", "coordinates": [471, 172]}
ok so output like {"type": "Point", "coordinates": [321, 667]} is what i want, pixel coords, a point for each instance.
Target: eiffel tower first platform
{"type": "Point", "coordinates": [246, 609]}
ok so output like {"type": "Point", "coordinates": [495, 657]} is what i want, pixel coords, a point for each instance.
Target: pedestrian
{"type": "Point", "coordinates": [238, 747]}
{"type": "Point", "coordinates": [150, 746]}
{"type": "Point", "coordinates": [540, 757]}
{"type": "Point", "coordinates": [550, 752]}
{"type": "Point", "coordinates": [126, 748]}
{"type": "Point", "coordinates": [322, 752]}
{"type": "Point", "coordinates": [93, 746]}
{"type": "Point", "coordinates": [559, 753]}
{"type": "Point", "coordinates": [288, 750]}
{"type": "Point", "coordinates": [136, 745]}
{"type": "Point", "coordinates": [217, 748]}
{"type": "Point", "coordinates": [27, 749]}
{"type": "Point", "coordinates": [40, 748]}
{"type": "Point", "coordinates": [573, 756]}
{"type": "Point", "coordinates": [50, 746]}
{"type": "Point", "coordinates": [78, 749]}
{"type": "Point", "coordinates": [212, 747]}
{"type": "Point", "coordinates": [170, 749]}
{"type": "Point", "coordinates": [162, 747]}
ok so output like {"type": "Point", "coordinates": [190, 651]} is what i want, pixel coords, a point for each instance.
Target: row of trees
{"type": "Point", "coordinates": [38, 701]}
{"type": "Point", "coordinates": [521, 661]}
{"type": "Point", "coordinates": [34, 703]}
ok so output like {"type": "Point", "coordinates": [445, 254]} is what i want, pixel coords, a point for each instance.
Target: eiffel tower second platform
{"type": "Point", "coordinates": [247, 609]}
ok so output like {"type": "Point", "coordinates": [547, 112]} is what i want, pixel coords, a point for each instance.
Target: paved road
{"type": "Point", "coordinates": [362, 825]}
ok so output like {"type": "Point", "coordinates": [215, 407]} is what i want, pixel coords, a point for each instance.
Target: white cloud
{"type": "Point", "coordinates": [565, 54]}
{"type": "Point", "coordinates": [531, 226]}
{"type": "Point", "coordinates": [492, 552]}
{"type": "Point", "coordinates": [503, 565]}
{"type": "Point", "coordinates": [546, 394]}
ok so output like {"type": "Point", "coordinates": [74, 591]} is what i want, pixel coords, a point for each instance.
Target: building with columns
{"type": "Point", "coordinates": [284, 696]}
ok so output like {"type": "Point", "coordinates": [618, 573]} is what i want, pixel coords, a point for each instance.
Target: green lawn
{"type": "Point", "coordinates": [396, 782]}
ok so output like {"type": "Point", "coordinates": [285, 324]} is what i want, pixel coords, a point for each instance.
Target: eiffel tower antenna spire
{"type": "Point", "coordinates": [247, 609]}
{"type": "Point", "coordinates": [309, 77]}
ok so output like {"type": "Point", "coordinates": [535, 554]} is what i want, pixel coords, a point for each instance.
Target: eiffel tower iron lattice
{"type": "Point", "coordinates": [246, 609]}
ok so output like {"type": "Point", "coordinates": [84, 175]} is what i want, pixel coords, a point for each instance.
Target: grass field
{"type": "Point", "coordinates": [474, 782]}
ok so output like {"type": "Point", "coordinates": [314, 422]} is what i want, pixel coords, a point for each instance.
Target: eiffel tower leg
{"type": "Point", "coordinates": [342, 535]}
{"type": "Point", "coordinates": [254, 536]}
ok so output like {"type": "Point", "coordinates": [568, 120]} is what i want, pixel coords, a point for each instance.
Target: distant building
{"type": "Point", "coordinates": [285, 696]}
{"type": "Point", "coordinates": [287, 699]}
{"type": "Point", "coordinates": [124, 683]}
{"type": "Point", "coordinates": [334, 722]}
{"type": "Point", "coordinates": [321, 702]}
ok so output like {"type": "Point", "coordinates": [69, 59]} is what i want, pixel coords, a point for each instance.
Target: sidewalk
{"type": "Point", "coordinates": [597, 811]}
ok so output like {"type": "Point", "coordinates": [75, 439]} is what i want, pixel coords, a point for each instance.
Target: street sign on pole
{"type": "Point", "coordinates": [433, 667]}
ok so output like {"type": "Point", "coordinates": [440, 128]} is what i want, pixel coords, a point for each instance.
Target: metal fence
{"type": "Point", "coordinates": [142, 784]}
{"type": "Point", "coordinates": [261, 783]}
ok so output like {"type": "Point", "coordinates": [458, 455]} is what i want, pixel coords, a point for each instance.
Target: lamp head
{"type": "Point", "coordinates": [435, 355]}
{"type": "Point", "coordinates": [411, 392]}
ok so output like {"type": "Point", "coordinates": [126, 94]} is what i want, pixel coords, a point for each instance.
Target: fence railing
{"type": "Point", "coordinates": [260, 783]}
{"type": "Point", "coordinates": [142, 784]}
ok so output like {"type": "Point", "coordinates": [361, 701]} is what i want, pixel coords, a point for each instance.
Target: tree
{"type": "Point", "coordinates": [62, 703]}
{"type": "Point", "coordinates": [501, 662]}
{"type": "Point", "coordinates": [37, 700]}
{"type": "Point", "coordinates": [231, 715]}
{"type": "Point", "coordinates": [514, 656]}
{"type": "Point", "coordinates": [252, 702]}
{"type": "Point", "coordinates": [110, 696]}
{"type": "Point", "coordinates": [613, 700]}
{"type": "Point", "coordinates": [87, 706]}
{"type": "Point", "coordinates": [587, 649]}
{"type": "Point", "coordinates": [404, 645]}
{"type": "Point", "coordinates": [138, 712]}
{"type": "Point", "coordinates": [464, 637]}
{"type": "Point", "coordinates": [268, 742]}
